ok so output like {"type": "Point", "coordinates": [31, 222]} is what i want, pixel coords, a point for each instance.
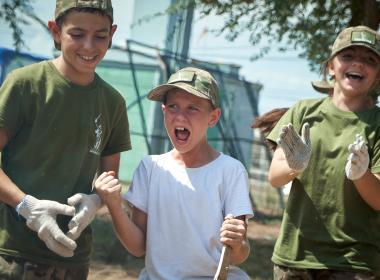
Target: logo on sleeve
{"type": "Point", "coordinates": [98, 136]}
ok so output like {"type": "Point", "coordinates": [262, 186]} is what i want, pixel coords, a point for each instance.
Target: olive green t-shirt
{"type": "Point", "coordinates": [58, 132]}
{"type": "Point", "coordinates": [326, 223]}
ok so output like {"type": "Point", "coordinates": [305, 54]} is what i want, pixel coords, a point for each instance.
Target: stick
{"type": "Point", "coordinates": [224, 264]}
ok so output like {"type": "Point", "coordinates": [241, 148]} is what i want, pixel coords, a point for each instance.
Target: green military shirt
{"type": "Point", "coordinates": [58, 132]}
{"type": "Point", "coordinates": [326, 223]}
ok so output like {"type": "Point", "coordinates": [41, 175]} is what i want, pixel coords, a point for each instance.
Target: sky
{"type": "Point", "coordinates": [285, 77]}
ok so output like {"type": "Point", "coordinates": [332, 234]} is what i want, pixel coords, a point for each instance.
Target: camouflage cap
{"type": "Point", "coordinates": [323, 86]}
{"type": "Point", "coordinates": [357, 36]}
{"type": "Point", "coordinates": [64, 5]}
{"type": "Point", "coordinates": [192, 80]}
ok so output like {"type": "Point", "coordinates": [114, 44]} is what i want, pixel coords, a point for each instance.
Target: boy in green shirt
{"type": "Point", "coordinates": [60, 124]}
{"type": "Point", "coordinates": [330, 149]}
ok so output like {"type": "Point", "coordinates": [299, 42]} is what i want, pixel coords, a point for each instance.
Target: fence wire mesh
{"type": "Point", "coordinates": [138, 68]}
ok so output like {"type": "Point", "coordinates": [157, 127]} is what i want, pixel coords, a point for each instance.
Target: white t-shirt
{"type": "Point", "coordinates": [186, 208]}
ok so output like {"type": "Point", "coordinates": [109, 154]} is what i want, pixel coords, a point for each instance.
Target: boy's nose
{"type": "Point", "coordinates": [181, 114]}
{"type": "Point", "coordinates": [359, 61]}
{"type": "Point", "coordinates": [88, 43]}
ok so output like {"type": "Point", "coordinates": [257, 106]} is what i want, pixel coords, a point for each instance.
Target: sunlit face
{"type": "Point", "coordinates": [84, 39]}
{"type": "Point", "coordinates": [356, 70]}
{"type": "Point", "coordinates": [187, 118]}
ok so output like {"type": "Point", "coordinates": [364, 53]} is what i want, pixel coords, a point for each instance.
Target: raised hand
{"type": "Point", "coordinates": [41, 217]}
{"type": "Point", "coordinates": [108, 188]}
{"type": "Point", "coordinates": [297, 148]}
{"type": "Point", "coordinates": [358, 159]}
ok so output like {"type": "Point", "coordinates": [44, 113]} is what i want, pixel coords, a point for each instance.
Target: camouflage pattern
{"type": "Point", "coordinates": [18, 269]}
{"type": "Point", "coordinates": [357, 36]}
{"type": "Point", "coordinates": [193, 80]}
{"type": "Point", "coordinates": [323, 86]}
{"type": "Point", "coordinates": [286, 273]}
{"type": "Point", "coordinates": [64, 5]}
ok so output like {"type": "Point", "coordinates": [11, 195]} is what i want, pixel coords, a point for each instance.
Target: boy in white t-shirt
{"type": "Point", "coordinates": [188, 202]}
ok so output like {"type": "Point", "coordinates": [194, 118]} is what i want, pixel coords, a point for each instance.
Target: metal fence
{"type": "Point", "coordinates": [137, 68]}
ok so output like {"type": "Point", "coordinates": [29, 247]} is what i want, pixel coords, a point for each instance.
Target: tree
{"type": "Point", "coordinates": [11, 12]}
{"type": "Point", "coordinates": [306, 25]}
{"type": "Point", "coordinates": [309, 26]}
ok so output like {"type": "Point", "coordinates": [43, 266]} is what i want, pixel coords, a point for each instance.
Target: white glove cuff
{"type": "Point", "coordinates": [22, 204]}
{"type": "Point", "coordinates": [97, 200]}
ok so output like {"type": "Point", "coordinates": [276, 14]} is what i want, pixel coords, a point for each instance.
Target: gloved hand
{"type": "Point", "coordinates": [41, 217]}
{"type": "Point", "coordinates": [297, 149]}
{"type": "Point", "coordinates": [86, 206]}
{"type": "Point", "coordinates": [358, 159]}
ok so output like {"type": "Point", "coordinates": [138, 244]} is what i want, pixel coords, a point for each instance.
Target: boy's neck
{"type": "Point", "coordinates": [75, 77]}
{"type": "Point", "coordinates": [194, 159]}
{"type": "Point", "coordinates": [352, 103]}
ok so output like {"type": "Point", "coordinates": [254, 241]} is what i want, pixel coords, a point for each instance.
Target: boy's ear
{"type": "Point", "coordinates": [377, 82]}
{"type": "Point", "coordinates": [113, 29]}
{"type": "Point", "coordinates": [214, 117]}
{"type": "Point", "coordinates": [55, 31]}
{"type": "Point", "coordinates": [330, 68]}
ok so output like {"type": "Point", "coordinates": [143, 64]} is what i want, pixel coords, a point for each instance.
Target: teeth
{"type": "Point", "coordinates": [180, 128]}
{"type": "Point", "coordinates": [87, 57]}
{"type": "Point", "coordinates": [354, 75]}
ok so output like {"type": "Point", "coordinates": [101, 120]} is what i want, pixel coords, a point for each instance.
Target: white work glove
{"type": "Point", "coordinates": [41, 217]}
{"type": "Point", "coordinates": [297, 148]}
{"type": "Point", "coordinates": [358, 159]}
{"type": "Point", "coordinates": [86, 207]}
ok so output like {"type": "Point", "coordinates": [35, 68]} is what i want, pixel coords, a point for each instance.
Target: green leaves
{"type": "Point", "coordinates": [11, 11]}
{"type": "Point", "coordinates": [306, 25]}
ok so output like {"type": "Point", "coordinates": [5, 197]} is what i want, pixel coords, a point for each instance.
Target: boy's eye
{"type": "Point", "coordinates": [347, 56]}
{"type": "Point", "coordinates": [171, 107]}
{"type": "Point", "coordinates": [192, 108]}
{"type": "Point", "coordinates": [76, 35]}
{"type": "Point", "coordinates": [371, 60]}
{"type": "Point", "coordinates": [101, 36]}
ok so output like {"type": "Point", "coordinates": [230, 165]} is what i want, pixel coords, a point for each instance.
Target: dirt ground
{"type": "Point", "coordinates": [111, 261]}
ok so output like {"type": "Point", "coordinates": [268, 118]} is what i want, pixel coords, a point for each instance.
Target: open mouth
{"type": "Point", "coordinates": [354, 76]}
{"type": "Point", "coordinates": [181, 133]}
{"type": "Point", "coordinates": [88, 58]}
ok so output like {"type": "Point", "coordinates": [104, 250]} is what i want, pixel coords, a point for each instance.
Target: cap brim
{"type": "Point", "coordinates": [322, 86]}
{"type": "Point", "coordinates": [159, 92]}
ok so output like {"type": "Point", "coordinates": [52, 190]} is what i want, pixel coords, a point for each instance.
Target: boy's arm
{"type": "Point", "coordinates": [40, 215]}
{"type": "Point", "coordinates": [110, 163]}
{"type": "Point", "coordinates": [130, 231]}
{"type": "Point", "coordinates": [366, 183]}
{"type": "Point", "coordinates": [9, 192]}
{"type": "Point", "coordinates": [368, 187]}
{"type": "Point", "coordinates": [279, 171]}
{"type": "Point", "coordinates": [294, 156]}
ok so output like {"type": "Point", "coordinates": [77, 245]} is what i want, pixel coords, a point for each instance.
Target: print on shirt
{"type": "Point", "coordinates": [98, 136]}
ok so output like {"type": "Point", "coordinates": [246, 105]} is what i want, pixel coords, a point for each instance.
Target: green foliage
{"type": "Point", "coordinates": [10, 12]}
{"type": "Point", "coordinates": [309, 26]}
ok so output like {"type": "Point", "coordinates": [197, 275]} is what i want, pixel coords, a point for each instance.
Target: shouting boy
{"type": "Point", "coordinates": [190, 201]}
